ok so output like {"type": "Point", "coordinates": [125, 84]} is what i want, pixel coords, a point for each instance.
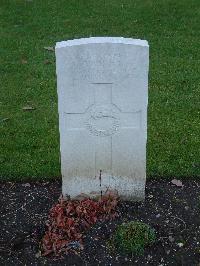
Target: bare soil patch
{"type": "Point", "coordinates": [174, 212]}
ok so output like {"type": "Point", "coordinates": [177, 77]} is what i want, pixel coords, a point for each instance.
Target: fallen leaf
{"type": "Point", "coordinates": [5, 119]}
{"type": "Point", "coordinates": [28, 108]}
{"type": "Point", "coordinates": [171, 239]}
{"type": "Point", "coordinates": [49, 48]}
{"type": "Point", "coordinates": [24, 61]}
{"type": "Point", "coordinates": [180, 245]}
{"type": "Point", "coordinates": [26, 185]}
{"type": "Point", "coordinates": [176, 182]}
{"type": "Point", "coordinates": [47, 62]}
{"type": "Point", "coordinates": [168, 251]}
{"type": "Point", "coordinates": [38, 254]}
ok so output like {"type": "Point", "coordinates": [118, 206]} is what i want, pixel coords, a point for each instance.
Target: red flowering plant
{"type": "Point", "coordinates": [70, 219]}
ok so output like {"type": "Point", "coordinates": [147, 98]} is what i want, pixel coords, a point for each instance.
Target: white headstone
{"type": "Point", "coordinates": [102, 98]}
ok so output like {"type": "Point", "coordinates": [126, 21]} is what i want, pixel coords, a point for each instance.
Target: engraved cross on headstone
{"type": "Point", "coordinates": [102, 120]}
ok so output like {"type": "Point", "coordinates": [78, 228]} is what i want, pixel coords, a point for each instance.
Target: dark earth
{"type": "Point", "coordinates": [172, 209]}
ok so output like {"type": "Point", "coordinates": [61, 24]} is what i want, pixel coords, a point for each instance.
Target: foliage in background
{"type": "Point", "coordinates": [28, 100]}
{"type": "Point", "coordinates": [133, 237]}
{"type": "Point", "coordinates": [70, 219]}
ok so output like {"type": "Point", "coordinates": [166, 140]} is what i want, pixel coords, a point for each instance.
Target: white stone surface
{"type": "Point", "coordinates": [102, 98]}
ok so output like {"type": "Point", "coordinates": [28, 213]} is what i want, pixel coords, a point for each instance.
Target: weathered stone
{"type": "Point", "coordinates": [102, 97]}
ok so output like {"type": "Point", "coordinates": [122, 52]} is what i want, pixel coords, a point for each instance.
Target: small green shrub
{"type": "Point", "coordinates": [133, 237]}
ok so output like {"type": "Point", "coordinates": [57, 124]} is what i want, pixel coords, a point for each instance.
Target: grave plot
{"type": "Point", "coordinates": [172, 209]}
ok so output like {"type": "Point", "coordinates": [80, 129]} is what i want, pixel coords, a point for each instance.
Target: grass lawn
{"type": "Point", "coordinates": [29, 142]}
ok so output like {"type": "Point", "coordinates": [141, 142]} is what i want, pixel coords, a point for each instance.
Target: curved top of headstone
{"type": "Point", "coordinates": [102, 40]}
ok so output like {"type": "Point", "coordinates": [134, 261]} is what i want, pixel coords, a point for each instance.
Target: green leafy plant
{"type": "Point", "coordinates": [133, 237]}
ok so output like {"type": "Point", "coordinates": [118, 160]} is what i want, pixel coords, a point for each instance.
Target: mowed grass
{"type": "Point", "coordinates": [30, 140]}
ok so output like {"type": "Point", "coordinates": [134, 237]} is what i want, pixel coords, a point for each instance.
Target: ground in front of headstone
{"type": "Point", "coordinates": [171, 208]}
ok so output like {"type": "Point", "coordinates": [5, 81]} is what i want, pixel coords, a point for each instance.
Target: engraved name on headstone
{"type": "Point", "coordinates": [102, 99]}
